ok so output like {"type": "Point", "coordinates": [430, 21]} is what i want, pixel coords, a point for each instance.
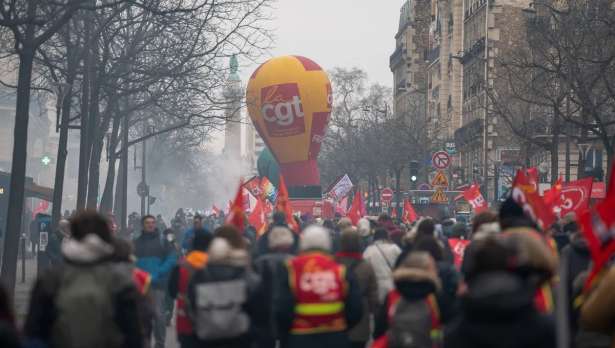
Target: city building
{"type": "Point", "coordinates": [408, 63]}
{"type": "Point", "coordinates": [445, 72]}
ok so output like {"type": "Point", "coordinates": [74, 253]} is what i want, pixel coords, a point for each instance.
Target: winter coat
{"type": "Point", "coordinates": [270, 268]}
{"type": "Point", "coordinates": [414, 286]}
{"type": "Point", "coordinates": [447, 296]}
{"type": "Point", "coordinates": [498, 312]}
{"type": "Point", "coordinates": [54, 249]}
{"type": "Point", "coordinates": [382, 256]}
{"type": "Point", "coordinates": [234, 268]}
{"type": "Point", "coordinates": [285, 313]}
{"type": "Point", "coordinates": [41, 318]}
{"type": "Point", "coordinates": [8, 335]}
{"type": "Point", "coordinates": [598, 311]}
{"type": "Point", "coordinates": [369, 293]}
{"type": "Point", "coordinates": [187, 237]}
{"type": "Point", "coordinates": [156, 256]}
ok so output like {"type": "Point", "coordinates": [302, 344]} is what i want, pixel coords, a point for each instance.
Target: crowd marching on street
{"type": "Point", "coordinates": [501, 281]}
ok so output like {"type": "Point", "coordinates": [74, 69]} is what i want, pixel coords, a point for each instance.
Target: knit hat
{"type": "Point", "coordinates": [280, 238]}
{"type": "Point", "coordinates": [315, 238]}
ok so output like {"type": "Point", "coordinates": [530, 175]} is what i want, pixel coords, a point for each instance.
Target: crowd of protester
{"type": "Point", "coordinates": [331, 284]}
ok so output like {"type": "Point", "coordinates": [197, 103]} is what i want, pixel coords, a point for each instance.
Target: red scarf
{"type": "Point", "coordinates": [349, 254]}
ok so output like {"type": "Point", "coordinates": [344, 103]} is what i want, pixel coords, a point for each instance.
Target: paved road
{"type": "Point", "coordinates": [22, 295]}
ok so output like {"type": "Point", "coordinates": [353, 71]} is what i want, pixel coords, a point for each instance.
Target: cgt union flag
{"type": "Point", "coordinates": [409, 214]}
{"type": "Point", "coordinates": [476, 199]}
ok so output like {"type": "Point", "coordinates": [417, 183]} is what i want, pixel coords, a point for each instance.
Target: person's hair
{"type": "Point", "coordinates": [232, 236]}
{"type": "Point", "coordinates": [280, 237]}
{"type": "Point", "coordinates": [90, 222]}
{"type": "Point", "coordinates": [328, 224]}
{"type": "Point", "coordinates": [511, 215]}
{"type": "Point", "coordinates": [381, 234]}
{"type": "Point", "coordinates": [350, 241]}
{"type": "Point", "coordinates": [459, 230]}
{"type": "Point", "coordinates": [485, 217]}
{"type": "Point", "coordinates": [487, 255]}
{"type": "Point", "coordinates": [197, 217]}
{"type": "Point", "coordinates": [279, 219]}
{"type": "Point", "coordinates": [202, 240]}
{"type": "Point", "coordinates": [384, 217]}
{"type": "Point", "coordinates": [145, 217]}
{"type": "Point", "coordinates": [122, 250]}
{"type": "Point", "coordinates": [431, 245]}
{"type": "Point", "coordinates": [344, 223]}
{"type": "Point", "coordinates": [426, 227]}
{"type": "Point", "coordinates": [417, 259]}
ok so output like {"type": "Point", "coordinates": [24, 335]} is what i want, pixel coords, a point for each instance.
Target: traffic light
{"type": "Point", "coordinates": [414, 172]}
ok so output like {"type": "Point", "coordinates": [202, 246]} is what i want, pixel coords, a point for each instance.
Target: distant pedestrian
{"type": "Point", "coordinates": [270, 267]}
{"type": "Point", "coordinates": [156, 256]}
{"type": "Point", "coordinates": [351, 257]}
{"type": "Point", "coordinates": [196, 259]}
{"type": "Point", "coordinates": [9, 337]}
{"type": "Point", "coordinates": [382, 255]}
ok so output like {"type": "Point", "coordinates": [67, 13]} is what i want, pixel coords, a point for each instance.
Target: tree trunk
{"type": "Point", "coordinates": [18, 168]}
{"type": "Point", "coordinates": [58, 187]}
{"type": "Point", "coordinates": [106, 201]}
{"type": "Point", "coordinates": [555, 147]}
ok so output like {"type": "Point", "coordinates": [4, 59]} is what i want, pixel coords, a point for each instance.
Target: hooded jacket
{"type": "Point", "coordinates": [382, 256]}
{"type": "Point", "coordinates": [413, 285]}
{"type": "Point", "coordinates": [598, 311]}
{"type": "Point", "coordinates": [90, 252]}
{"type": "Point", "coordinates": [498, 312]}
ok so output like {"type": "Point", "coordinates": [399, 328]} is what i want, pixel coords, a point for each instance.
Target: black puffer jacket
{"type": "Point", "coordinates": [498, 312]}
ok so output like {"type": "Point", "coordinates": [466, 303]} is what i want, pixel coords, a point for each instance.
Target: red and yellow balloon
{"type": "Point", "coordinates": [289, 101]}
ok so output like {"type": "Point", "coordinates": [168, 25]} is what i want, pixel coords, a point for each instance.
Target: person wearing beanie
{"type": "Point", "coordinates": [178, 284]}
{"type": "Point", "coordinates": [382, 256]}
{"type": "Point", "coordinates": [269, 266]}
{"type": "Point", "coordinates": [318, 299]}
{"type": "Point", "coordinates": [351, 257]}
{"type": "Point", "coordinates": [410, 312]}
{"type": "Point", "coordinates": [225, 296]}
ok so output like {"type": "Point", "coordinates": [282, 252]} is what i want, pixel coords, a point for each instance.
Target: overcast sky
{"type": "Point", "coordinates": [344, 33]}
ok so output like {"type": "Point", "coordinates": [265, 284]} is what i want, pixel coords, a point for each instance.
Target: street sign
{"type": "Point", "coordinates": [450, 148]}
{"type": "Point", "coordinates": [441, 160]}
{"type": "Point", "coordinates": [439, 197]}
{"type": "Point", "coordinates": [386, 195]}
{"type": "Point", "coordinates": [440, 180]}
{"type": "Point", "coordinates": [424, 187]}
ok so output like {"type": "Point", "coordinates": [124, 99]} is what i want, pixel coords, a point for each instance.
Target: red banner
{"type": "Point", "coordinates": [355, 213]}
{"type": "Point", "coordinates": [526, 195]}
{"type": "Point", "coordinates": [409, 216]}
{"type": "Point", "coordinates": [254, 187]}
{"type": "Point", "coordinates": [476, 199]}
{"type": "Point", "coordinates": [236, 215]}
{"type": "Point", "coordinates": [458, 246]}
{"type": "Point", "coordinates": [283, 205]}
{"type": "Point", "coordinates": [575, 197]}
{"type": "Point", "coordinates": [598, 225]}
{"type": "Point", "coordinates": [257, 218]}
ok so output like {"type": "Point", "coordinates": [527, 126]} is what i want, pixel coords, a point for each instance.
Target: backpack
{"type": "Point", "coordinates": [85, 307]}
{"type": "Point", "coordinates": [219, 309]}
{"type": "Point", "coordinates": [413, 326]}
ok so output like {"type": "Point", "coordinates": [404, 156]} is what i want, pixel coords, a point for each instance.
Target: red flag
{"type": "Point", "coordinates": [526, 195]}
{"type": "Point", "coordinates": [476, 199]}
{"type": "Point", "coordinates": [354, 213]}
{"type": "Point", "coordinates": [575, 197]}
{"type": "Point", "coordinates": [532, 176]}
{"type": "Point", "coordinates": [363, 207]}
{"type": "Point", "coordinates": [40, 208]}
{"type": "Point", "coordinates": [283, 205]}
{"type": "Point", "coordinates": [553, 195]}
{"type": "Point", "coordinates": [254, 186]}
{"type": "Point", "coordinates": [257, 218]}
{"type": "Point", "coordinates": [598, 227]}
{"type": "Point", "coordinates": [236, 216]}
{"type": "Point", "coordinates": [458, 246]}
{"type": "Point", "coordinates": [394, 213]}
{"type": "Point", "coordinates": [409, 216]}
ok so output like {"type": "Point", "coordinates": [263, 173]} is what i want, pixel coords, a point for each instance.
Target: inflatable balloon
{"type": "Point", "coordinates": [289, 101]}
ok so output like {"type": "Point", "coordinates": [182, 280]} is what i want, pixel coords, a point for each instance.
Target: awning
{"type": "Point", "coordinates": [32, 190]}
